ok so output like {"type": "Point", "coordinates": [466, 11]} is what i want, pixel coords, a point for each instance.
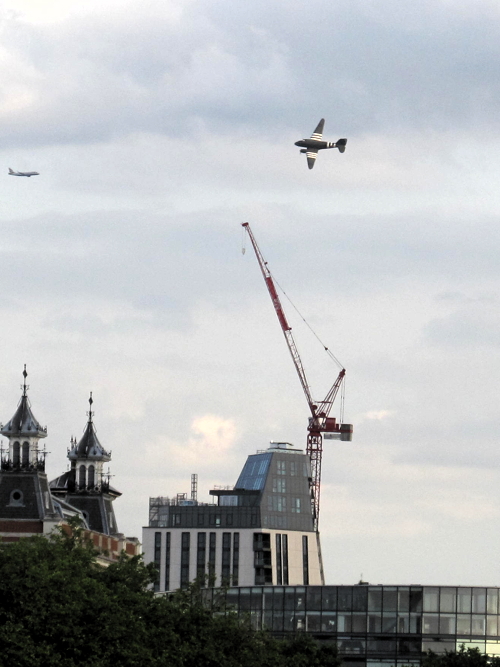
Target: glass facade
{"type": "Point", "coordinates": [376, 625]}
{"type": "Point", "coordinates": [254, 474]}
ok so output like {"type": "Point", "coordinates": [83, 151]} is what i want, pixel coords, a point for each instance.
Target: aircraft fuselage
{"type": "Point", "coordinates": [316, 144]}
{"type": "Point", "coordinates": [23, 173]}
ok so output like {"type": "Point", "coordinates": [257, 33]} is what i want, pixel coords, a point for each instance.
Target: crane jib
{"type": "Point", "coordinates": [276, 303]}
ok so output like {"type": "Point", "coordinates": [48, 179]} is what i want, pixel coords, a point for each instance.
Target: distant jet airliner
{"type": "Point", "coordinates": [316, 143]}
{"type": "Point", "coordinates": [23, 173]}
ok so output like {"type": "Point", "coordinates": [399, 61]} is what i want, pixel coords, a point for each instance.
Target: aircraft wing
{"type": "Point", "coordinates": [318, 132]}
{"type": "Point", "coordinates": [311, 156]}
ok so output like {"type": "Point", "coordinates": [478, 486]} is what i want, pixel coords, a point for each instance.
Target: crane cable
{"type": "Point", "coordinates": [330, 354]}
{"type": "Point", "coordinates": [342, 401]}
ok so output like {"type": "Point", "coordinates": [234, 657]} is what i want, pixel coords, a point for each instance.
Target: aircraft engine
{"type": "Point", "coordinates": [303, 150]}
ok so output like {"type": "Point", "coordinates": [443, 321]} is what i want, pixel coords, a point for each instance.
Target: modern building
{"type": "Point", "coordinates": [259, 538]}
{"type": "Point", "coordinates": [375, 626]}
{"type": "Point", "coordinates": [259, 532]}
{"type": "Point", "coordinates": [30, 505]}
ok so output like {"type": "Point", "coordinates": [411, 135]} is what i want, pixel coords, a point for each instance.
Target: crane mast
{"type": "Point", "coordinates": [319, 422]}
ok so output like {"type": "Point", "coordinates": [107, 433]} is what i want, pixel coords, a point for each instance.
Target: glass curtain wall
{"type": "Point", "coordinates": [377, 624]}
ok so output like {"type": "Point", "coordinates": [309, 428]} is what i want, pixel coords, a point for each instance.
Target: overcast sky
{"type": "Point", "coordinates": [157, 128]}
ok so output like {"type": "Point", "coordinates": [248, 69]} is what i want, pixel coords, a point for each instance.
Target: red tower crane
{"type": "Point", "coordinates": [319, 421]}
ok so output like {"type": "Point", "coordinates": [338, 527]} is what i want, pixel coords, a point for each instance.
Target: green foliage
{"type": "Point", "coordinates": [60, 608]}
{"type": "Point", "coordinates": [465, 657]}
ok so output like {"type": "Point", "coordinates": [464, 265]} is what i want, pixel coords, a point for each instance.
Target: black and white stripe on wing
{"type": "Point", "coordinates": [318, 132]}
{"type": "Point", "coordinates": [311, 158]}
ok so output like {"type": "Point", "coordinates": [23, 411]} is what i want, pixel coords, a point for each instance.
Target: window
{"type": "Point", "coordinates": [296, 505]}
{"type": "Point", "coordinates": [157, 559]}
{"type": "Point", "coordinates": [279, 485]}
{"type": "Point", "coordinates": [228, 501]}
{"type": "Point", "coordinates": [211, 559]}
{"type": "Point", "coordinates": [201, 557]}
{"type": "Point", "coordinates": [279, 575]}
{"type": "Point", "coordinates": [26, 453]}
{"type": "Point", "coordinates": [176, 520]}
{"type": "Point", "coordinates": [226, 558]}
{"type": "Point", "coordinates": [279, 503]}
{"type": "Point", "coordinates": [81, 477]}
{"type": "Point", "coordinates": [305, 559]}
{"type": "Point", "coordinates": [261, 541]}
{"type": "Point", "coordinates": [167, 561]}
{"type": "Point", "coordinates": [236, 558]}
{"type": "Point", "coordinates": [448, 600]}
{"type": "Point", "coordinates": [263, 575]}
{"type": "Point", "coordinates": [478, 601]}
{"type": "Point", "coordinates": [91, 477]}
{"type": "Point", "coordinates": [185, 547]}
{"type": "Point", "coordinates": [263, 558]}
{"type": "Point", "coordinates": [284, 539]}
{"type": "Point", "coordinates": [464, 600]}
{"type": "Point", "coordinates": [492, 601]}
{"type": "Point", "coordinates": [16, 453]}
{"type": "Point", "coordinates": [16, 498]}
{"type": "Point", "coordinates": [293, 468]}
{"type": "Point", "coordinates": [431, 598]}
{"type": "Point", "coordinates": [281, 467]}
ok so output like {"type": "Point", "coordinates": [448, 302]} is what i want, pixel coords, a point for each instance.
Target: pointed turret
{"type": "Point", "coordinates": [24, 489]}
{"type": "Point", "coordinates": [86, 485]}
{"type": "Point", "coordinates": [88, 456]}
{"type": "Point", "coordinates": [23, 432]}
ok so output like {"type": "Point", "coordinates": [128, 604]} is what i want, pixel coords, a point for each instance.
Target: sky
{"type": "Point", "coordinates": [157, 129]}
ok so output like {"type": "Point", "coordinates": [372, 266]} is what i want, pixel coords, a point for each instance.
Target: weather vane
{"type": "Point", "coordinates": [90, 413]}
{"type": "Point", "coordinates": [25, 386]}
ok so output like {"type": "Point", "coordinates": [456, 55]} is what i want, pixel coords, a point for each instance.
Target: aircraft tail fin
{"type": "Point", "coordinates": [10, 171]}
{"type": "Point", "coordinates": [341, 145]}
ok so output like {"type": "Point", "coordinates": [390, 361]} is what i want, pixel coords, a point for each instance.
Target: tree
{"type": "Point", "coordinates": [464, 657]}
{"type": "Point", "coordinates": [60, 608]}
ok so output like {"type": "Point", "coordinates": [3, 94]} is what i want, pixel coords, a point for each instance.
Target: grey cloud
{"type": "Point", "coordinates": [153, 263]}
{"type": "Point", "coordinates": [162, 263]}
{"type": "Point", "coordinates": [264, 68]}
{"type": "Point", "coordinates": [475, 326]}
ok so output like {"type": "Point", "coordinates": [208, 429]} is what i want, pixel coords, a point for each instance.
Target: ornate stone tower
{"type": "Point", "coordinates": [86, 486]}
{"type": "Point", "coordinates": [25, 499]}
